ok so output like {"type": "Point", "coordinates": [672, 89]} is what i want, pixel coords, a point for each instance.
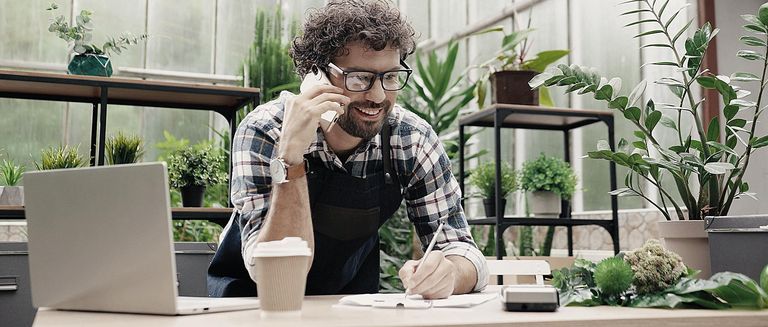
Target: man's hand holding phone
{"type": "Point", "coordinates": [303, 113]}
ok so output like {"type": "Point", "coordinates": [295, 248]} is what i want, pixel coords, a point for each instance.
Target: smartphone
{"type": "Point", "coordinates": [328, 118]}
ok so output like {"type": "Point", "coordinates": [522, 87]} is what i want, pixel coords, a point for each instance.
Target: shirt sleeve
{"type": "Point", "coordinates": [252, 148]}
{"type": "Point", "coordinates": [433, 194]}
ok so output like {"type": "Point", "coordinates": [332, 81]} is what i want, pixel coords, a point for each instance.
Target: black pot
{"type": "Point", "coordinates": [738, 244]}
{"type": "Point", "coordinates": [490, 206]}
{"type": "Point", "coordinates": [511, 87]}
{"type": "Point", "coordinates": [192, 196]}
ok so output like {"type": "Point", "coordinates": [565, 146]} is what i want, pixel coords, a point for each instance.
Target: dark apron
{"type": "Point", "coordinates": [346, 214]}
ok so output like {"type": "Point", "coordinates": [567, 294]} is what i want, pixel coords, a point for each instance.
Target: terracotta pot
{"type": "Point", "coordinates": [688, 238]}
{"type": "Point", "coordinates": [511, 87]}
{"type": "Point", "coordinates": [545, 204]}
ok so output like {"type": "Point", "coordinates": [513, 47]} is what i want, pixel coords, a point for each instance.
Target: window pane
{"type": "Point", "coordinates": [181, 35]}
{"type": "Point", "coordinates": [24, 31]}
{"type": "Point", "coordinates": [112, 18]}
{"type": "Point", "coordinates": [28, 127]}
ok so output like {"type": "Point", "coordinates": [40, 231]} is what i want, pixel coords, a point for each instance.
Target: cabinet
{"type": "Point", "coordinates": [564, 120]}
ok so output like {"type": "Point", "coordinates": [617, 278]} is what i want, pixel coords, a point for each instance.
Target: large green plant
{"type": "Point", "coordinates": [195, 166]}
{"type": "Point", "coordinates": [268, 65]}
{"type": "Point", "coordinates": [438, 95]}
{"type": "Point", "coordinates": [708, 173]}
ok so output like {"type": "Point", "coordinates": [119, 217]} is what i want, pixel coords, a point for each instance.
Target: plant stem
{"type": "Point", "coordinates": [748, 151]}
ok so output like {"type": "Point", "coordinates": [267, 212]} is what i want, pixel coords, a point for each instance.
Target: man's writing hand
{"type": "Point", "coordinates": [434, 279]}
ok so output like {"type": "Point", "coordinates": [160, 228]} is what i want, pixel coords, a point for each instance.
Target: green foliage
{"type": "Point", "coordinates": [268, 65]}
{"type": "Point", "coordinates": [59, 158]}
{"type": "Point", "coordinates": [124, 149]}
{"type": "Point", "coordinates": [613, 276]}
{"type": "Point", "coordinates": [484, 178]}
{"type": "Point", "coordinates": [10, 173]}
{"type": "Point", "coordinates": [396, 246]}
{"type": "Point", "coordinates": [548, 174]}
{"type": "Point", "coordinates": [708, 173]}
{"type": "Point", "coordinates": [437, 95]}
{"type": "Point", "coordinates": [655, 267]}
{"type": "Point", "coordinates": [196, 166]}
{"type": "Point", "coordinates": [80, 34]}
{"type": "Point", "coordinates": [581, 284]}
{"type": "Point", "coordinates": [196, 231]}
{"type": "Point", "coordinates": [513, 55]}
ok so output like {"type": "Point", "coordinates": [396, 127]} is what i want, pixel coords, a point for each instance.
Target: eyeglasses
{"type": "Point", "coordinates": [361, 81]}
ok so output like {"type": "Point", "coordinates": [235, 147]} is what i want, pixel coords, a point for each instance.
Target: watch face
{"type": "Point", "coordinates": [277, 170]}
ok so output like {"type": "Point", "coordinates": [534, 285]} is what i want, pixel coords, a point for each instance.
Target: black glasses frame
{"type": "Point", "coordinates": [378, 76]}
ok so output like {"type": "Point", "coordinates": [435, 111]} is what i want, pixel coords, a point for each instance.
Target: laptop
{"type": "Point", "coordinates": [100, 240]}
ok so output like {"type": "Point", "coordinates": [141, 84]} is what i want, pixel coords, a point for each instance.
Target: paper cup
{"type": "Point", "coordinates": [281, 275]}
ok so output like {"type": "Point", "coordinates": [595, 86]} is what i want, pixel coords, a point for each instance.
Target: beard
{"type": "Point", "coordinates": [360, 128]}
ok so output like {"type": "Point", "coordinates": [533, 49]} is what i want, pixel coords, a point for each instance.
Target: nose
{"type": "Point", "coordinates": [376, 93]}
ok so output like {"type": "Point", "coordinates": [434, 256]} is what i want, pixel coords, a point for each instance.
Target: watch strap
{"type": "Point", "coordinates": [296, 171]}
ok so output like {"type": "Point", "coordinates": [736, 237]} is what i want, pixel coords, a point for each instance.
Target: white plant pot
{"type": "Point", "coordinates": [11, 195]}
{"type": "Point", "coordinates": [545, 203]}
{"type": "Point", "coordinates": [688, 238]}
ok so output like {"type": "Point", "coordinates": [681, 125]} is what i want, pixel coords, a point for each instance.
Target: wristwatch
{"type": "Point", "coordinates": [282, 173]}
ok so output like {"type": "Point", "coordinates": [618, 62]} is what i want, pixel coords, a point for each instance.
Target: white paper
{"type": "Point", "coordinates": [392, 300]}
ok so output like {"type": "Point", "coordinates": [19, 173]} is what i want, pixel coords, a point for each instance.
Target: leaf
{"type": "Point", "coordinates": [665, 63]}
{"type": "Point", "coordinates": [713, 132]}
{"type": "Point", "coordinates": [744, 77]}
{"type": "Point", "coordinates": [762, 15]}
{"type": "Point", "coordinates": [672, 18]}
{"type": "Point", "coordinates": [603, 145]}
{"type": "Point", "coordinates": [544, 59]}
{"type": "Point", "coordinates": [730, 111]}
{"type": "Point", "coordinates": [637, 92]}
{"type": "Point", "coordinates": [682, 30]}
{"type": "Point", "coordinates": [618, 103]}
{"type": "Point", "coordinates": [752, 41]}
{"type": "Point", "coordinates": [760, 142]}
{"type": "Point", "coordinates": [750, 55]}
{"type": "Point", "coordinates": [652, 119]}
{"type": "Point", "coordinates": [640, 22]}
{"type": "Point", "coordinates": [651, 32]}
{"type": "Point", "coordinates": [539, 79]}
{"type": "Point", "coordinates": [656, 45]}
{"type": "Point", "coordinates": [706, 82]}
{"type": "Point", "coordinates": [755, 28]}
{"type": "Point", "coordinates": [722, 147]}
{"type": "Point", "coordinates": [640, 145]}
{"type": "Point", "coordinates": [742, 103]}
{"type": "Point", "coordinates": [604, 93]}
{"type": "Point", "coordinates": [615, 84]}
{"type": "Point", "coordinates": [668, 122]}
{"type": "Point", "coordinates": [632, 113]}
{"type": "Point", "coordinates": [718, 168]}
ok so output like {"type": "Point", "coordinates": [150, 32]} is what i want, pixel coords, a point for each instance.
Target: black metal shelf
{"type": "Point", "coordinates": [219, 216]}
{"type": "Point", "coordinates": [500, 116]}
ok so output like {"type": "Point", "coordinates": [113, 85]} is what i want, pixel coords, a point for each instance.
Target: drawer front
{"type": "Point", "coordinates": [15, 294]}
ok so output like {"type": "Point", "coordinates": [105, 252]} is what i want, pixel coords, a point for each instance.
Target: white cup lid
{"type": "Point", "coordinates": [287, 247]}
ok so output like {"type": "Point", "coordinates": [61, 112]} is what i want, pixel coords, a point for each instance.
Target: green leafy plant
{"type": "Point", "coordinates": [124, 149]}
{"type": "Point", "coordinates": [484, 178]}
{"type": "Point", "coordinates": [196, 231]}
{"type": "Point", "coordinates": [59, 158]}
{"type": "Point", "coordinates": [195, 166]}
{"type": "Point", "coordinates": [10, 173]}
{"type": "Point", "coordinates": [514, 55]}
{"type": "Point", "coordinates": [439, 96]}
{"type": "Point", "coordinates": [79, 35]}
{"type": "Point", "coordinates": [588, 284]}
{"type": "Point", "coordinates": [548, 174]}
{"type": "Point", "coordinates": [268, 65]}
{"type": "Point", "coordinates": [708, 173]}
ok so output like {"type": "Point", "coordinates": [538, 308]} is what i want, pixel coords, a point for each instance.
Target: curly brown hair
{"type": "Point", "coordinates": [328, 30]}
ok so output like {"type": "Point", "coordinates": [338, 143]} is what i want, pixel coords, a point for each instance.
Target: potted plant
{"type": "Point", "coordinates": [60, 157]}
{"type": "Point", "coordinates": [511, 68]}
{"type": "Point", "coordinates": [484, 178]}
{"type": "Point", "coordinates": [11, 194]}
{"type": "Point", "coordinates": [549, 180]}
{"type": "Point", "coordinates": [124, 149]}
{"type": "Point", "coordinates": [90, 59]}
{"type": "Point", "coordinates": [191, 169]}
{"type": "Point", "coordinates": [707, 168]}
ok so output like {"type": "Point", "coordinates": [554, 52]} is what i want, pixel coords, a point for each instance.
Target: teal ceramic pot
{"type": "Point", "coordinates": [90, 64]}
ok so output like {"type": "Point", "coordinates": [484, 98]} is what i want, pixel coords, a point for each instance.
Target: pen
{"type": "Point", "coordinates": [429, 248]}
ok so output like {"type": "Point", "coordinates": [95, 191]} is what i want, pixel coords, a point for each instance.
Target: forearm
{"type": "Point", "coordinates": [289, 214]}
{"type": "Point", "coordinates": [465, 274]}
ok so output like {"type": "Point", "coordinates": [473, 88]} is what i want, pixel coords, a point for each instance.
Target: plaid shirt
{"type": "Point", "coordinates": [429, 187]}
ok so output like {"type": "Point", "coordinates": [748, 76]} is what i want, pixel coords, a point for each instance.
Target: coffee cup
{"type": "Point", "coordinates": [281, 275]}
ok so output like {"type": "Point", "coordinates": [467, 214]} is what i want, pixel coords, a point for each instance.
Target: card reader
{"type": "Point", "coordinates": [537, 298]}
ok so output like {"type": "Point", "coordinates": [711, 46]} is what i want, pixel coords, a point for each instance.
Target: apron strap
{"type": "Point", "coordinates": [385, 153]}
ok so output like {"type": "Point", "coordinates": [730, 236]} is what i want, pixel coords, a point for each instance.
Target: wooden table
{"type": "Point", "coordinates": [324, 311]}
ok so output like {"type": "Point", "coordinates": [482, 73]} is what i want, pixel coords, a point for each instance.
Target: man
{"type": "Point", "coordinates": [335, 187]}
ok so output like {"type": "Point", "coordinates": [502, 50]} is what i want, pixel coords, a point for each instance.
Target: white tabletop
{"type": "Point", "coordinates": [324, 311]}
